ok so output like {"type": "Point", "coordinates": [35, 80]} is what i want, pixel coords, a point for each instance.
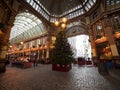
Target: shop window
{"type": "Point", "coordinates": [118, 45]}
{"type": "Point", "coordinates": [104, 51]}
{"type": "Point", "coordinates": [99, 30]}
{"type": "Point", "coordinates": [116, 23]}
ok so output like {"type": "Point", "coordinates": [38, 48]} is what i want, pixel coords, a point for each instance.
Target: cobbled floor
{"type": "Point", "coordinates": [43, 78]}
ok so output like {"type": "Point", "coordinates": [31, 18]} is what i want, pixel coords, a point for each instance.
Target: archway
{"type": "Point", "coordinates": [81, 46]}
{"type": "Point", "coordinates": [27, 36]}
{"type": "Point", "coordinates": [26, 26]}
{"type": "Point", "coordinates": [78, 37]}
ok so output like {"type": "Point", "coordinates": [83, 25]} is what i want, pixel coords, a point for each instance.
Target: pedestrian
{"type": "Point", "coordinates": [34, 62]}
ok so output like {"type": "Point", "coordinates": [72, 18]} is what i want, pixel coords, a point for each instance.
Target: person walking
{"type": "Point", "coordinates": [34, 62]}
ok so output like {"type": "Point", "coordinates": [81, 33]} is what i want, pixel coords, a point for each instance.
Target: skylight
{"type": "Point", "coordinates": [76, 11]}
{"type": "Point", "coordinates": [26, 23]}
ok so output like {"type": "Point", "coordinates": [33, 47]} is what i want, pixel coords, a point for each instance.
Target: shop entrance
{"type": "Point", "coordinates": [81, 47]}
{"type": "Point", "coordinates": [78, 37]}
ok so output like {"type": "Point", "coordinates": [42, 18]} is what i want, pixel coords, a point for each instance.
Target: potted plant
{"type": "Point", "coordinates": [61, 55]}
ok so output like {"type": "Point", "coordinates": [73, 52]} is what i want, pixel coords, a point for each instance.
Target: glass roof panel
{"type": "Point", "coordinates": [26, 26]}
{"type": "Point", "coordinates": [59, 8]}
{"type": "Point", "coordinates": [91, 2]}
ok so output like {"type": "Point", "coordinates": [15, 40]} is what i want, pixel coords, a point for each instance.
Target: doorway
{"type": "Point", "coordinates": [81, 46]}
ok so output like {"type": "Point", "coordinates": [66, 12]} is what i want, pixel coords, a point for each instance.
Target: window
{"type": "Point", "coordinates": [112, 2]}
{"type": "Point", "coordinates": [86, 8]}
{"type": "Point", "coordinates": [28, 1]}
{"type": "Point", "coordinates": [80, 46]}
{"type": "Point", "coordinates": [36, 4]}
{"type": "Point", "coordinates": [31, 2]}
{"type": "Point", "coordinates": [115, 20]}
{"type": "Point", "coordinates": [88, 5]}
{"type": "Point", "coordinates": [94, 1]}
{"type": "Point", "coordinates": [91, 2]}
{"type": "Point", "coordinates": [26, 26]}
{"type": "Point", "coordinates": [117, 1]}
{"type": "Point", "coordinates": [99, 29]}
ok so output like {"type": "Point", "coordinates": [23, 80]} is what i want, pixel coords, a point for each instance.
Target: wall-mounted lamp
{"type": "Point", "coordinates": [10, 46]}
{"type": "Point", "coordinates": [21, 43]}
{"type": "Point", "coordinates": [117, 34]}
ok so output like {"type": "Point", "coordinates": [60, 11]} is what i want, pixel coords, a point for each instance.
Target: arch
{"type": "Point", "coordinates": [26, 26]}
{"type": "Point", "coordinates": [77, 28]}
{"type": "Point", "coordinates": [80, 46]}
{"type": "Point", "coordinates": [78, 37]}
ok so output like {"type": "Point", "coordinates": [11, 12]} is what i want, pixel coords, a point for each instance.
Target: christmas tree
{"type": "Point", "coordinates": [61, 53]}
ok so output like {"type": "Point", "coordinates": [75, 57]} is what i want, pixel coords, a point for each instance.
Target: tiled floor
{"type": "Point", "coordinates": [43, 78]}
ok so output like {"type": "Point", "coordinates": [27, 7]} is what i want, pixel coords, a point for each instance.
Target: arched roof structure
{"type": "Point", "coordinates": [77, 28]}
{"type": "Point", "coordinates": [53, 10]}
{"type": "Point", "coordinates": [26, 26]}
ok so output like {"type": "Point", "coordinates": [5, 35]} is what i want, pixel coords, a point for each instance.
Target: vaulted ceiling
{"type": "Point", "coordinates": [27, 25]}
{"type": "Point", "coordinates": [56, 9]}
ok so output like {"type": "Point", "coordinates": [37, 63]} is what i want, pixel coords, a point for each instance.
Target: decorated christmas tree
{"type": "Point", "coordinates": [61, 53]}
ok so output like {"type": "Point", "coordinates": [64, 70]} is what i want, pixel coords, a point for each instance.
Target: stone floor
{"type": "Point", "coordinates": [43, 78]}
